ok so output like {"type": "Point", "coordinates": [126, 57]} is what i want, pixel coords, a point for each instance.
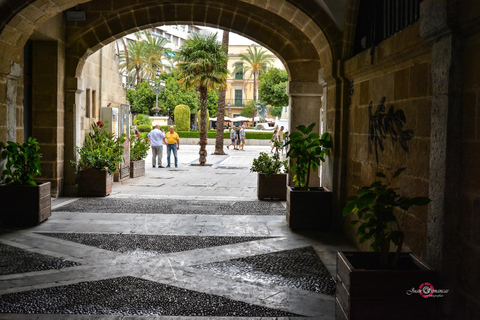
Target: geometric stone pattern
{"type": "Point", "coordinates": [153, 244]}
{"type": "Point", "coordinates": [298, 268]}
{"type": "Point", "coordinates": [167, 206]}
{"type": "Point", "coordinates": [129, 296]}
{"type": "Point", "coordinates": [14, 260]}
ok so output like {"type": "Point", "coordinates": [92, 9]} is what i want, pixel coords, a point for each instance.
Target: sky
{"type": "Point", "coordinates": [234, 39]}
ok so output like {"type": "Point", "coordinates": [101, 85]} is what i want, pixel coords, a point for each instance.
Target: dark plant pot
{"type": "Point", "coordinates": [94, 183]}
{"type": "Point", "coordinates": [309, 210]}
{"type": "Point", "coordinates": [137, 168]}
{"type": "Point", "coordinates": [274, 187]}
{"type": "Point", "coordinates": [366, 292]}
{"type": "Point", "coordinates": [25, 205]}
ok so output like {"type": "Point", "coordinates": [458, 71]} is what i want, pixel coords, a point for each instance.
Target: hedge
{"type": "Point", "coordinates": [144, 128]}
{"type": "Point", "coordinates": [212, 134]}
{"type": "Point", "coordinates": [182, 117]}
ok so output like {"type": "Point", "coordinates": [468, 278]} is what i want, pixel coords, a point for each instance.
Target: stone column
{"type": "Point", "coordinates": [444, 154]}
{"type": "Point", "coordinates": [305, 106]}
{"type": "Point", "coordinates": [73, 88]}
{"type": "Point", "coordinates": [11, 98]}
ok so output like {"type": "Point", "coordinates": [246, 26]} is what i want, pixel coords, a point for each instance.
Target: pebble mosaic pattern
{"type": "Point", "coordinates": [134, 243]}
{"type": "Point", "coordinates": [129, 296]}
{"type": "Point", "coordinates": [166, 206]}
{"type": "Point", "coordinates": [298, 268]}
{"type": "Point", "coordinates": [15, 260]}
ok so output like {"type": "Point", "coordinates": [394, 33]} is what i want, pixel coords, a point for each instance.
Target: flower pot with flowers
{"type": "Point", "coordinates": [308, 208]}
{"type": "Point", "coordinates": [156, 110]}
{"type": "Point", "coordinates": [100, 156]}
{"type": "Point", "coordinates": [138, 152]}
{"type": "Point", "coordinates": [23, 200]}
{"type": "Point", "coordinates": [371, 285]}
{"type": "Point", "coordinates": [272, 176]}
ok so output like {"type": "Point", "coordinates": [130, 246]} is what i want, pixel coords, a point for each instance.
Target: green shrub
{"type": "Point", "coordinates": [142, 119]}
{"type": "Point", "coordinates": [144, 128]}
{"type": "Point", "coordinates": [182, 117]}
{"type": "Point", "coordinates": [23, 161]}
{"type": "Point", "coordinates": [208, 119]}
{"type": "Point", "coordinates": [138, 146]}
{"type": "Point", "coordinates": [258, 135]}
{"type": "Point", "coordinates": [167, 128]}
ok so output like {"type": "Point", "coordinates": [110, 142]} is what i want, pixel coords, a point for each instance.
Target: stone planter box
{"type": "Point", "coordinates": [309, 210]}
{"type": "Point", "coordinates": [25, 205]}
{"type": "Point", "coordinates": [274, 187]}
{"type": "Point", "coordinates": [94, 183]}
{"type": "Point", "coordinates": [365, 292]}
{"type": "Point", "coordinates": [137, 168]}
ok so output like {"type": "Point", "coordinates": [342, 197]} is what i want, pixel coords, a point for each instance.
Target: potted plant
{"type": "Point", "coordinates": [271, 182]}
{"type": "Point", "coordinates": [373, 284]}
{"type": "Point", "coordinates": [24, 201]}
{"type": "Point", "coordinates": [308, 208]}
{"type": "Point", "coordinates": [138, 152]}
{"type": "Point", "coordinates": [99, 158]}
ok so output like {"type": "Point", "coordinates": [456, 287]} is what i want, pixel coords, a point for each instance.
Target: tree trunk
{"type": "Point", "coordinates": [221, 107]}
{"type": "Point", "coordinates": [255, 86]}
{"type": "Point", "coordinates": [203, 125]}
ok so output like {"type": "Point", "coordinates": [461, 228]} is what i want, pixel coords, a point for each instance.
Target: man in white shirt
{"type": "Point", "coordinates": [156, 137]}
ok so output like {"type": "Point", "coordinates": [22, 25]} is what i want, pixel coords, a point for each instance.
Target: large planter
{"type": "Point", "coordinates": [309, 210]}
{"type": "Point", "coordinates": [25, 205]}
{"type": "Point", "coordinates": [274, 187]}
{"type": "Point", "coordinates": [94, 183]}
{"type": "Point", "coordinates": [366, 293]}
{"type": "Point", "coordinates": [137, 168]}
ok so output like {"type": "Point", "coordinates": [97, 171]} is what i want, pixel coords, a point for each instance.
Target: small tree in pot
{"type": "Point", "coordinates": [272, 178]}
{"type": "Point", "coordinates": [24, 201]}
{"type": "Point", "coordinates": [308, 207]}
{"type": "Point", "coordinates": [138, 152]}
{"type": "Point", "coordinates": [381, 212]}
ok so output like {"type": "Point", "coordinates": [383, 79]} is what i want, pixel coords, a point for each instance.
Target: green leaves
{"type": "Point", "coordinates": [379, 208]}
{"type": "Point", "coordinates": [308, 150]}
{"type": "Point", "coordinates": [23, 161]}
{"type": "Point", "coordinates": [268, 165]}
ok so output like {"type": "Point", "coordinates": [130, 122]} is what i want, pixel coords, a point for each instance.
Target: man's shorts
{"type": "Point", "coordinates": [233, 140]}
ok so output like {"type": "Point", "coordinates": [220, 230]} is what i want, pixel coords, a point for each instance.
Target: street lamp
{"type": "Point", "coordinates": [157, 87]}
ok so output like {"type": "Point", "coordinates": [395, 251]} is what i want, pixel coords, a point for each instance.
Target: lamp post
{"type": "Point", "coordinates": [157, 87]}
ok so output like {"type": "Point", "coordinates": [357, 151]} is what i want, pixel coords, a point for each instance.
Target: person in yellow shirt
{"type": "Point", "coordinates": [172, 140]}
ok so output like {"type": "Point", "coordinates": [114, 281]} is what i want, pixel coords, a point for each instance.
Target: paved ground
{"type": "Point", "coordinates": [175, 244]}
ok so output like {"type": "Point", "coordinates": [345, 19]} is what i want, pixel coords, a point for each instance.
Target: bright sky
{"type": "Point", "coordinates": [234, 39]}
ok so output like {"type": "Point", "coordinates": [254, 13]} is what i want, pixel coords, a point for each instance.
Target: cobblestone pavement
{"type": "Point", "coordinates": [201, 246]}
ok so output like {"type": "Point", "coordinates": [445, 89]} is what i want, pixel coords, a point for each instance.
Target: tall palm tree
{"type": "Point", "coordinates": [221, 104]}
{"type": "Point", "coordinates": [201, 64]}
{"type": "Point", "coordinates": [143, 57]}
{"type": "Point", "coordinates": [255, 61]}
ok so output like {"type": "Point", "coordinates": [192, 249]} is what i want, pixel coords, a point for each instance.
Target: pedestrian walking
{"type": "Point", "coordinates": [273, 140]}
{"type": "Point", "coordinates": [156, 137]}
{"type": "Point", "coordinates": [280, 137]}
{"type": "Point", "coordinates": [232, 138]}
{"type": "Point", "coordinates": [238, 138]}
{"type": "Point", "coordinates": [172, 140]}
{"type": "Point", "coordinates": [242, 136]}
{"type": "Point", "coordinates": [285, 142]}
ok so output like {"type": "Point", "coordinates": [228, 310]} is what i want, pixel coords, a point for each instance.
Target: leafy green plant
{"type": "Point", "coordinates": [142, 119]}
{"type": "Point", "coordinates": [101, 150]}
{"type": "Point", "coordinates": [182, 117]}
{"type": "Point", "coordinates": [23, 161]}
{"type": "Point", "coordinates": [307, 149]}
{"type": "Point", "coordinates": [269, 165]}
{"type": "Point", "coordinates": [144, 128]}
{"type": "Point", "coordinates": [138, 146]}
{"type": "Point", "coordinates": [381, 212]}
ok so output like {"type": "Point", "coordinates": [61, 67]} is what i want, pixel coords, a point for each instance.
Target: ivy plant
{"type": "Point", "coordinates": [381, 212]}
{"type": "Point", "coordinates": [22, 161]}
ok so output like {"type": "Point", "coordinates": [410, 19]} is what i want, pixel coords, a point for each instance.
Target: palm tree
{"type": "Point", "coordinates": [143, 57]}
{"type": "Point", "coordinates": [201, 64]}
{"type": "Point", "coordinates": [255, 61]}
{"type": "Point", "coordinates": [221, 104]}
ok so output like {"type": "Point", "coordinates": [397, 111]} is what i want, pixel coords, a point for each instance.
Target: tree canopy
{"type": "Point", "coordinates": [273, 87]}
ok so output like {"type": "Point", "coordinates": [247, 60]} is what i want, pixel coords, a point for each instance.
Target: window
{"type": "Point", "coordinates": [88, 106]}
{"type": "Point", "coordinates": [238, 97]}
{"type": "Point", "coordinates": [95, 112]}
{"type": "Point", "coordinates": [239, 74]}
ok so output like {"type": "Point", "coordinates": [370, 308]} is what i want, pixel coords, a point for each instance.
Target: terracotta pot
{"type": "Point", "coordinates": [366, 292]}
{"type": "Point", "coordinates": [274, 187]}
{"type": "Point", "coordinates": [25, 205]}
{"type": "Point", "coordinates": [309, 210]}
{"type": "Point", "coordinates": [94, 183]}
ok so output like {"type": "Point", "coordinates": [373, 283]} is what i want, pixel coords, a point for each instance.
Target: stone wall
{"type": "Point", "coordinates": [400, 75]}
